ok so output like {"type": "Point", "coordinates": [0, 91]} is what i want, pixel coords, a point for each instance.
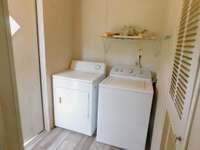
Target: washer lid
{"type": "Point", "coordinates": [79, 76]}
{"type": "Point", "coordinates": [144, 86]}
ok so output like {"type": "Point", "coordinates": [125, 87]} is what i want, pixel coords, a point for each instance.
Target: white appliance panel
{"type": "Point", "coordinates": [76, 96]}
{"type": "Point", "coordinates": [124, 108]}
{"type": "Point", "coordinates": [72, 109]}
{"type": "Point", "coordinates": [123, 118]}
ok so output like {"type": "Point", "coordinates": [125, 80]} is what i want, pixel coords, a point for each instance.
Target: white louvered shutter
{"type": "Point", "coordinates": [186, 58]}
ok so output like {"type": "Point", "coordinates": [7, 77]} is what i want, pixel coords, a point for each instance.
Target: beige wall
{"type": "Point", "coordinates": [165, 67]}
{"type": "Point", "coordinates": [94, 17]}
{"type": "Point", "coordinates": [58, 39]}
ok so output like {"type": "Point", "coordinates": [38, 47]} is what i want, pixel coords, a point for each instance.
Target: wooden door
{"type": "Point", "coordinates": [183, 75]}
{"type": "Point", "coordinates": [10, 131]}
{"type": "Point", "coordinates": [168, 138]}
{"type": "Point", "coordinates": [26, 59]}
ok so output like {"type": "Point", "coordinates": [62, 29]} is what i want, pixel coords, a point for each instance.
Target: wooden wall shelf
{"type": "Point", "coordinates": [122, 37]}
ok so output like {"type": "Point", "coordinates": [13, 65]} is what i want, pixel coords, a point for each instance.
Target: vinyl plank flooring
{"type": "Point", "coordinates": [48, 140]}
{"type": "Point", "coordinates": [71, 142]}
{"type": "Point", "coordinates": [60, 139]}
{"type": "Point", "coordinates": [85, 143]}
{"type": "Point", "coordinates": [98, 146]}
{"type": "Point", "coordinates": [36, 140]}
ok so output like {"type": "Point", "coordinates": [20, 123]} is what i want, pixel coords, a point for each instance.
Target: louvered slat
{"type": "Point", "coordinates": [184, 53]}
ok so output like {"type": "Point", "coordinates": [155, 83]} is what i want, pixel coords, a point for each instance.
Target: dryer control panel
{"type": "Point", "coordinates": [87, 66]}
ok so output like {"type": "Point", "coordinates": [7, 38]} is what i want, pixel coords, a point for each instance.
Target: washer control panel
{"type": "Point", "coordinates": [123, 70]}
{"type": "Point", "coordinates": [130, 72]}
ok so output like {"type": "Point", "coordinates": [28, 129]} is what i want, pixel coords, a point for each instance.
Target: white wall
{"type": "Point", "coordinates": [165, 67]}
{"type": "Point", "coordinates": [94, 17]}
{"type": "Point", "coordinates": [58, 40]}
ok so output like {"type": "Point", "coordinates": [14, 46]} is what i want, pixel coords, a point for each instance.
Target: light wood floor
{"type": "Point", "coordinates": [60, 139]}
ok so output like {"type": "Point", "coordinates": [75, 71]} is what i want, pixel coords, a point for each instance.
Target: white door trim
{"type": "Point", "coordinates": [193, 108]}
{"type": "Point", "coordinates": [46, 99]}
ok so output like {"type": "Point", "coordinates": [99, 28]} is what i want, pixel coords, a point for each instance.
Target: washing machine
{"type": "Point", "coordinates": [75, 96]}
{"type": "Point", "coordinates": [125, 100]}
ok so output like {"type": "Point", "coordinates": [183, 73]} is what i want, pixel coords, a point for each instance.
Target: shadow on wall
{"type": "Point", "coordinates": [152, 118]}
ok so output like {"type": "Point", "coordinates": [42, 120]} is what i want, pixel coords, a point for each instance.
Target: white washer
{"type": "Point", "coordinates": [75, 96]}
{"type": "Point", "coordinates": [124, 107]}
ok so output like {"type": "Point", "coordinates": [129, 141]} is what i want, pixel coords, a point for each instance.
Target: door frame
{"type": "Point", "coordinates": [194, 126]}
{"type": "Point", "coordinates": [194, 99]}
{"type": "Point", "coordinates": [47, 100]}
{"type": "Point", "coordinates": [11, 117]}
{"type": "Point", "coordinates": [193, 108]}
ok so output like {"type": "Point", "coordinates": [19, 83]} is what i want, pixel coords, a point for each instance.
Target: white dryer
{"type": "Point", "coordinates": [75, 96]}
{"type": "Point", "coordinates": [124, 107]}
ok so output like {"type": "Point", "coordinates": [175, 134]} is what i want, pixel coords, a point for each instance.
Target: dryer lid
{"type": "Point", "coordinates": [85, 71]}
{"type": "Point", "coordinates": [79, 76]}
